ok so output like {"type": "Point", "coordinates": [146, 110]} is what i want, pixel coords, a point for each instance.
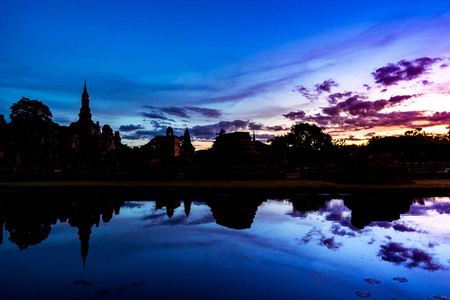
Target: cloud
{"type": "Point", "coordinates": [277, 128]}
{"type": "Point", "coordinates": [334, 98]}
{"type": "Point", "coordinates": [183, 112]}
{"type": "Point", "coordinates": [207, 112]}
{"type": "Point", "coordinates": [305, 93]}
{"type": "Point", "coordinates": [130, 127]}
{"type": "Point", "coordinates": [337, 230]}
{"type": "Point", "coordinates": [430, 208]}
{"type": "Point", "coordinates": [357, 107]}
{"type": "Point", "coordinates": [170, 110]}
{"type": "Point", "coordinates": [255, 126]}
{"type": "Point", "coordinates": [264, 137]}
{"type": "Point", "coordinates": [251, 91]}
{"type": "Point", "coordinates": [295, 115]}
{"type": "Point", "coordinates": [368, 87]}
{"type": "Point", "coordinates": [318, 89]}
{"type": "Point", "coordinates": [356, 113]}
{"type": "Point", "coordinates": [156, 116]}
{"type": "Point", "coordinates": [326, 86]}
{"type": "Point", "coordinates": [210, 131]}
{"type": "Point", "coordinates": [403, 70]}
{"type": "Point", "coordinates": [397, 226]}
{"type": "Point", "coordinates": [143, 134]}
{"type": "Point", "coordinates": [405, 119]}
{"type": "Point", "coordinates": [159, 124]}
{"type": "Point", "coordinates": [408, 257]}
{"type": "Point", "coordinates": [330, 243]}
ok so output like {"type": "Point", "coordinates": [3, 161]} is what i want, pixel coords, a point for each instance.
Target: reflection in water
{"type": "Point", "coordinates": [30, 223]}
{"type": "Point", "coordinates": [235, 212]}
{"type": "Point", "coordinates": [368, 208]}
{"type": "Point", "coordinates": [327, 242]}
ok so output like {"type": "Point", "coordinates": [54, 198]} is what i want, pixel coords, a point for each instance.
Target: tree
{"type": "Point", "coordinates": [304, 143]}
{"type": "Point", "coordinates": [32, 133]}
{"type": "Point", "coordinates": [30, 112]}
{"type": "Point", "coordinates": [304, 136]}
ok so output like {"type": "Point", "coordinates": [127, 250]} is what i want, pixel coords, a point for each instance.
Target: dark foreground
{"type": "Point", "coordinates": [136, 189]}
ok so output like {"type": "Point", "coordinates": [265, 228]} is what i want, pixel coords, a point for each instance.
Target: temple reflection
{"type": "Point", "coordinates": [30, 222]}
{"type": "Point", "coordinates": [369, 208]}
{"type": "Point", "coordinates": [235, 212]}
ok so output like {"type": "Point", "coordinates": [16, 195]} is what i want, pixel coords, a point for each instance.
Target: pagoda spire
{"type": "Point", "coordinates": [85, 111]}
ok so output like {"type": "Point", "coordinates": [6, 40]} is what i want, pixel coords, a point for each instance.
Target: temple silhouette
{"type": "Point", "coordinates": [83, 146]}
{"type": "Point", "coordinates": [33, 145]}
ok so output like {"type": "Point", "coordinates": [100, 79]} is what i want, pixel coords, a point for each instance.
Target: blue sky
{"type": "Point", "coordinates": [237, 65]}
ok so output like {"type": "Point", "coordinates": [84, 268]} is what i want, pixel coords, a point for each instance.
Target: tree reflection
{"type": "Point", "coordinates": [235, 212]}
{"type": "Point", "coordinates": [367, 208]}
{"type": "Point", "coordinates": [30, 222]}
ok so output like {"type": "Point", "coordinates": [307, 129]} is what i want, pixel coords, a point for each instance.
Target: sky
{"type": "Point", "coordinates": [356, 68]}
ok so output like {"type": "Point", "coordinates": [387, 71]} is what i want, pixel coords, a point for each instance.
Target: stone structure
{"type": "Point", "coordinates": [81, 146]}
{"type": "Point", "coordinates": [235, 149]}
{"type": "Point", "coordinates": [171, 149]}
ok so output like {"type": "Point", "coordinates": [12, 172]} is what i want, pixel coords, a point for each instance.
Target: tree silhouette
{"type": "Point", "coordinates": [32, 131]}
{"type": "Point", "coordinates": [30, 112]}
{"type": "Point", "coordinates": [302, 143]}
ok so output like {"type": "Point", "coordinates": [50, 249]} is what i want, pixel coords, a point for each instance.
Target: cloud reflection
{"type": "Point", "coordinates": [397, 254]}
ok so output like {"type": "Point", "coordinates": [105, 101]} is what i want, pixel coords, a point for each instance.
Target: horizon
{"type": "Point", "coordinates": [354, 69]}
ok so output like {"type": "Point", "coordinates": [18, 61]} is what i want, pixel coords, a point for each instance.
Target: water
{"type": "Point", "coordinates": [228, 247]}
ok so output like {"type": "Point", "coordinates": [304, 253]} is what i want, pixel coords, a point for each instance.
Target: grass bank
{"type": "Point", "coordinates": [116, 188]}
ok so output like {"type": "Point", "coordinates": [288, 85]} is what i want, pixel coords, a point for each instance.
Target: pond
{"type": "Point", "coordinates": [227, 247]}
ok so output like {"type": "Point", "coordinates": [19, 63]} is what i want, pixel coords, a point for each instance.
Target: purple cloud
{"type": "Point", "coordinates": [326, 86]}
{"type": "Point", "coordinates": [143, 134]}
{"type": "Point", "coordinates": [277, 128]}
{"type": "Point", "coordinates": [403, 70]}
{"type": "Point", "coordinates": [306, 93]}
{"type": "Point", "coordinates": [334, 98]}
{"type": "Point", "coordinates": [357, 113]}
{"type": "Point", "coordinates": [210, 131]}
{"type": "Point", "coordinates": [330, 243]}
{"type": "Point", "coordinates": [207, 112]}
{"type": "Point", "coordinates": [368, 87]}
{"type": "Point", "coordinates": [183, 112]}
{"type": "Point", "coordinates": [409, 257]}
{"type": "Point", "coordinates": [357, 107]}
{"type": "Point", "coordinates": [159, 124]}
{"type": "Point", "coordinates": [295, 115]}
{"type": "Point", "coordinates": [318, 89]}
{"type": "Point", "coordinates": [255, 126]}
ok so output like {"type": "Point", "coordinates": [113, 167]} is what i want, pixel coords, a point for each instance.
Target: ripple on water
{"type": "Point", "coordinates": [372, 281]}
{"type": "Point", "coordinates": [362, 294]}
{"type": "Point", "coordinates": [400, 279]}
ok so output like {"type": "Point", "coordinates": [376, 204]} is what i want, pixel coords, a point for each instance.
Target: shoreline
{"type": "Point", "coordinates": [440, 186]}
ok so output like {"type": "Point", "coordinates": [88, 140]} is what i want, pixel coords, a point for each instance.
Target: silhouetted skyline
{"type": "Point", "coordinates": [356, 68]}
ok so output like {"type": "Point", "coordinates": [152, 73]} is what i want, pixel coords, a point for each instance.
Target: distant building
{"type": "Point", "coordinates": [235, 149]}
{"type": "Point", "coordinates": [86, 135]}
{"type": "Point", "coordinates": [171, 149]}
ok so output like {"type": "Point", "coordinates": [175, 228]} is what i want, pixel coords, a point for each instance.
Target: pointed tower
{"type": "Point", "coordinates": [84, 233]}
{"type": "Point", "coordinates": [187, 207]}
{"type": "Point", "coordinates": [85, 111]}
